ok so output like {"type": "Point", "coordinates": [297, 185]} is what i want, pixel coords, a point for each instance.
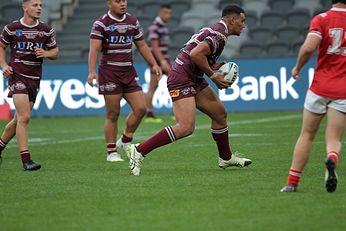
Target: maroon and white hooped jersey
{"type": "Point", "coordinates": [159, 30]}
{"type": "Point", "coordinates": [117, 38]}
{"type": "Point", "coordinates": [23, 39]}
{"type": "Point", "coordinates": [215, 35]}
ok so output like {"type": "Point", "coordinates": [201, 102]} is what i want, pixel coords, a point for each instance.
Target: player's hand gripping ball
{"type": "Point", "coordinates": [232, 70]}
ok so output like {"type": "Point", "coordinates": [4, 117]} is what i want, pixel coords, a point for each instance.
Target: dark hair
{"type": "Point", "coordinates": [167, 6]}
{"type": "Point", "coordinates": [339, 1]}
{"type": "Point", "coordinates": [232, 9]}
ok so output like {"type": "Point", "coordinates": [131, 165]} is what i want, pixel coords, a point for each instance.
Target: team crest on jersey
{"type": "Point", "coordinates": [19, 32]}
{"type": "Point", "coordinates": [41, 34]}
{"type": "Point", "coordinates": [122, 29]}
{"type": "Point", "coordinates": [31, 35]}
{"type": "Point", "coordinates": [112, 27]}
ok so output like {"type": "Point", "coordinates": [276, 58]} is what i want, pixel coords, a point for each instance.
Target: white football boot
{"type": "Point", "coordinates": [235, 160]}
{"type": "Point", "coordinates": [124, 146]}
{"type": "Point", "coordinates": [114, 157]}
{"type": "Point", "coordinates": [136, 160]}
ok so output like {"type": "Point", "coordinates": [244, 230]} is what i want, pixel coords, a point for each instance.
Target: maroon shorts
{"type": "Point", "coordinates": [18, 84]}
{"type": "Point", "coordinates": [116, 82]}
{"type": "Point", "coordinates": [180, 85]}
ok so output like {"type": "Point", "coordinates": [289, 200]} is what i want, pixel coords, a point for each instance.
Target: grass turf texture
{"type": "Point", "coordinates": [180, 187]}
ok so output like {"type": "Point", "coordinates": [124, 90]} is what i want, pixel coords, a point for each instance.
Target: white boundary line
{"type": "Point", "coordinates": [143, 135]}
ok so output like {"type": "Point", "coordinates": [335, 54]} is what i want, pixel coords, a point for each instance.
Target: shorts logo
{"type": "Point", "coordinates": [108, 87]}
{"type": "Point", "coordinates": [188, 90]}
{"type": "Point", "coordinates": [19, 86]}
{"type": "Point", "coordinates": [174, 93]}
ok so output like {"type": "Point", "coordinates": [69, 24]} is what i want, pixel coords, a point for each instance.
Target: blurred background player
{"type": "Point", "coordinates": [188, 90]}
{"type": "Point", "coordinates": [326, 95]}
{"type": "Point", "coordinates": [113, 35]}
{"type": "Point", "coordinates": [30, 41]}
{"type": "Point", "coordinates": [158, 42]}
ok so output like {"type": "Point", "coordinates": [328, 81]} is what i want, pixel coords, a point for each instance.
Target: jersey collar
{"type": "Point", "coordinates": [223, 23]}
{"type": "Point", "coordinates": [118, 20]}
{"type": "Point", "coordinates": [160, 20]}
{"type": "Point", "coordinates": [338, 9]}
{"type": "Point", "coordinates": [22, 22]}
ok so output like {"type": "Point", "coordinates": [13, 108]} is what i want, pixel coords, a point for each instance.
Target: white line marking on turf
{"type": "Point", "coordinates": [255, 121]}
{"type": "Point", "coordinates": [144, 135]}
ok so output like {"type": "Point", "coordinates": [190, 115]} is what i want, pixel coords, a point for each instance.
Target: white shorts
{"type": "Point", "coordinates": [318, 104]}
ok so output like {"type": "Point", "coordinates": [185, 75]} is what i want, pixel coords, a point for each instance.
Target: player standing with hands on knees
{"type": "Point", "coordinates": [113, 35]}
{"type": "Point", "coordinates": [326, 95]}
{"type": "Point", "coordinates": [31, 41]}
{"type": "Point", "coordinates": [189, 90]}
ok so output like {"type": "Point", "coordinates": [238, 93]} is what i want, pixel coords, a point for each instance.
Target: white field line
{"type": "Point", "coordinates": [143, 135]}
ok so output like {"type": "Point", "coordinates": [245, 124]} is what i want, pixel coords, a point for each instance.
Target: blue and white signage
{"type": "Point", "coordinates": [264, 84]}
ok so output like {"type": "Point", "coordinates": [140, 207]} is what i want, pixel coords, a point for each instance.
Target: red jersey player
{"type": "Point", "coordinates": [326, 95]}
{"type": "Point", "coordinates": [30, 41]}
{"type": "Point", "coordinates": [113, 34]}
{"type": "Point", "coordinates": [188, 90]}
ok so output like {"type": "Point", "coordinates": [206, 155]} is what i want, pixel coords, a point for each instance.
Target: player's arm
{"type": "Point", "coordinates": [95, 46]}
{"type": "Point", "coordinates": [305, 52]}
{"type": "Point", "coordinates": [6, 69]}
{"type": "Point", "coordinates": [158, 54]}
{"type": "Point", "coordinates": [148, 56]}
{"type": "Point", "coordinates": [199, 57]}
{"type": "Point", "coordinates": [49, 54]}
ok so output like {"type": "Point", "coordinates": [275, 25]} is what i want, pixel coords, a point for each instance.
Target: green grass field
{"type": "Point", "coordinates": [180, 186]}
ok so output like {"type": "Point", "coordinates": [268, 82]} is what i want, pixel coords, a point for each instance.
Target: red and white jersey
{"type": "Point", "coordinates": [117, 38]}
{"type": "Point", "coordinates": [330, 75]}
{"type": "Point", "coordinates": [23, 39]}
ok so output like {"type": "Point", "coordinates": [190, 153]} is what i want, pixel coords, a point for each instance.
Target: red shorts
{"type": "Point", "coordinates": [18, 84]}
{"type": "Point", "coordinates": [181, 86]}
{"type": "Point", "coordinates": [112, 82]}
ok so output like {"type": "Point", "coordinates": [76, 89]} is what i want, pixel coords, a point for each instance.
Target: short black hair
{"type": "Point", "coordinates": [339, 1]}
{"type": "Point", "coordinates": [165, 5]}
{"type": "Point", "coordinates": [232, 9]}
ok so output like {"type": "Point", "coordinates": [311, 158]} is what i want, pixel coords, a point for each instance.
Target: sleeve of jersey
{"type": "Point", "coordinates": [97, 30]}
{"type": "Point", "coordinates": [153, 32]}
{"type": "Point", "coordinates": [51, 42]}
{"type": "Point", "coordinates": [138, 32]}
{"type": "Point", "coordinates": [5, 36]}
{"type": "Point", "coordinates": [315, 26]}
{"type": "Point", "coordinates": [213, 41]}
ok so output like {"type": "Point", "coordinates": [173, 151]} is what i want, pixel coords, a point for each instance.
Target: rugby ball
{"type": "Point", "coordinates": [232, 70]}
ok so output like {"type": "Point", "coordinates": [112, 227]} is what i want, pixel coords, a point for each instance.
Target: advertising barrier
{"type": "Point", "coordinates": [263, 84]}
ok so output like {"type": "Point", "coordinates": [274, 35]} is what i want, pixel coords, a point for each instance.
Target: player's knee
{"type": "Point", "coordinates": [112, 116]}
{"type": "Point", "coordinates": [140, 111]}
{"type": "Point", "coordinates": [186, 129]}
{"type": "Point", "coordinates": [221, 117]}
{"type": "Point", "coordinates": [24, 119]}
